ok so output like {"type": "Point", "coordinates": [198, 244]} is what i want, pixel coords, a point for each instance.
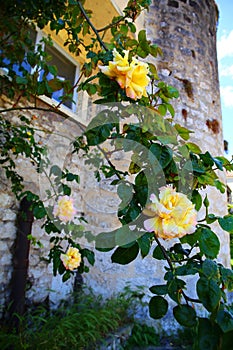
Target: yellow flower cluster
{"type": "Point", "coordinates": [64, 209]}
{"type": "Point", "coordinates": [72, 259]}
{"type": "Point", "coordinates": [130, 76]}
{"type": "Point", "coordinates": [172, 215]}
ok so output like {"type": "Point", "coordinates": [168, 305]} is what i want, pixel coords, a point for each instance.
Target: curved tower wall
{"type": "Point", "coordinates": [186, 32]}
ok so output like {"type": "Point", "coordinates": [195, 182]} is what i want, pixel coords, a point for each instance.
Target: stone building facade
{"type": "Point", "coordinates": [186, 32]}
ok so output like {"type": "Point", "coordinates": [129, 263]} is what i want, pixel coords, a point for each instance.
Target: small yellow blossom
{"type": "Point", "coordinates": [64, 209]}
{"type": "Point", "coordinates": [72, 259]}
{"type": "Point", "coordinates": [173, 214]}
{"type": "Point", "coordinates": [130, 76]}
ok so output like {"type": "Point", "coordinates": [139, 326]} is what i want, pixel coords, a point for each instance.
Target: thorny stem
{"type": "Point", "coordinates": [47, 176]}
{"type": "Point", "coordinates": [111, 24]}
{"type": "Point", "coordinates": [73, 87]}
{"type": "Point", "coordinates": [164, 253]}
{"type": "Point", "coordinates": [187, 298]}
{"type": "Point", "coordinates": [92, 26]}
{"type": "Point", "coordinates": [109, 162]}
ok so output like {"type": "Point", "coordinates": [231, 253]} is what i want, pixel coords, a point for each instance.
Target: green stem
{"type": "Point", "coordinates": [111, 24]}
{"type": "Point", "coordinates": [92, 26]}
{"type": "Point", "coordinates": [164, 253]}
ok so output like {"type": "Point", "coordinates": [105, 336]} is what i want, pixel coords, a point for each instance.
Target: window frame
{"type": "Point", "coordinates": [39, 35]}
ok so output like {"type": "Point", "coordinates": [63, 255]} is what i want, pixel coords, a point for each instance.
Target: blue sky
{"type": "Point", "coordinates": [225, 66]}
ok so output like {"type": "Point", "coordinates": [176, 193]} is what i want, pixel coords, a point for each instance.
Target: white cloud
{"type": "Point", "coordinates": [225, 45]}
{"type": "Point", "coordinates": [227, 95]}
{"type": "Point", "coordinates": [225, 71]}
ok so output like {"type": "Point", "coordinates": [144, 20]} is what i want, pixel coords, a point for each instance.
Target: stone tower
{"type": "Point", "coordinates": [186, 32]}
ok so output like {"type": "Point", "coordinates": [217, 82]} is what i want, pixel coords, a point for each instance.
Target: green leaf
{"type": "Point", "coordinates": [124, 191]}
{"type": "Point", "coordinates": [85, 28]}
{"type": "Point", "coordinates": [193, 147]}
{"type": "Point", "coordinates": [211, 218]}
{"type": "Point", "coordinates": [153, 70]}
{"type": "Point", "coordinates": [174, 287]}
{"type": "Point", "coordinates": [158, 254]}
{"type": "Point", "coordinates": [66, 276]}
{"type": "Point", "coordinates": [220, 185]}
{"type": "Point", "coordinates": [209, 293]}
{"type": "Point", "coordinates": [166, 157]}
{"type": "Point", "coordinates": [210, 269]}
{"type": "Point", "coordinates": [72, 177]}
{"type": "Point", "coordinates": [55, 170]}
{"type": "Point", "coordinates": [185, 315]}
{"type": "Point", "coordinates": [89, 255]}
{"type": "Point", "coordinates": [158, 307]}
{"type": "Point", "coordinates": [191, 268]}
{"type": "Point", "coordinates": [156, 150]}
{"type": "Point", "coordinates": [124, 256]}
{"type": "Point", "coordinates": [182, 131]}
{"type": "Point", "coordinates": [225, 320]}
{"type": "Point", "coordinates": [171, 109]}
{"type": "Point", "coordinates": [192, 238]}
{"type": "Point", "coordinates": [132, 27]}
{"type": "Point", "coordinates": [172, 92]}
{"type": "Point", "coordinates": [218, 163]}
{"type": "Point", "coordinates": [134, 168]}
{"type": "Point", "coordinates": [160, 289]}
{"type": "Point", "coordinates": [21, 80]}
{"type": "Point", "coordinates": [196, 199]}
{"type": "Point", "coordinates": [209, 243]}
{"type": "Point", "coordinates": [162, 109]}
{"type": "Point", "coordinates": [143, 43]}
{"type": "Point", "coordinates": [227, 340]}
{"type": "Point", "coordinates": [168, 139]}
{"type": "Point", "coordinates": [39, 211]}
{"type": "Point", "coordinates": [52, 70]}
{"type": "Point", "coordinates": [227, 278]}
{"type": "Point", "coordinates": [226, 223]}
{"type": "Point", "coordinates": [145, 243]}
{"type": "Point", "coordinates": [154, 50]}
{"type": "Point", "coordinates": [66, 190]}
{"type": "Point", "coordinates": [208, 336]}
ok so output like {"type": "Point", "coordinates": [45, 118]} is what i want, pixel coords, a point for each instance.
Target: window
{"type": "Point", "coordinates": [66, 71]}
{"type": "Point", "coordinates": [67, 68]}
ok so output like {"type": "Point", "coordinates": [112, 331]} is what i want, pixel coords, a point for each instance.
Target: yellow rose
{"type": "Point", "coordinates": [173, 214]}
{"type": "Point", "coordinates": [137, 79]}
{"type": "Point", "coordinates": [72, 259]}
{"type": "Point", "coordinates": [130, 76]}
{"type": "Point", "coordinates": [117, 68]}
{"type": "Point", "coordinates": [64, 209]}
